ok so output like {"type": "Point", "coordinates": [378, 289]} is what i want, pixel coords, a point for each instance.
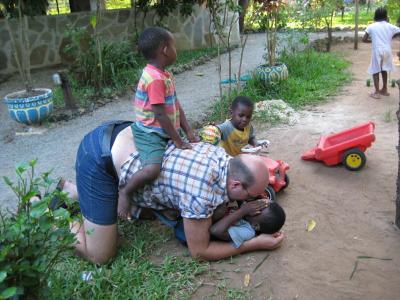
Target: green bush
{"type": "Point", "coordinates": [105, 68]}
{"type": "Point", "coordinates": [33, 238]}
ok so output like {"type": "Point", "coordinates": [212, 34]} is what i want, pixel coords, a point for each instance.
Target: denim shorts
{"type": "Point", "coordinates": [97, 185]}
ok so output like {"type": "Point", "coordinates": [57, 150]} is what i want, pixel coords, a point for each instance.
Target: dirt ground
{"type": "Point", "coordinates": [354, 211]}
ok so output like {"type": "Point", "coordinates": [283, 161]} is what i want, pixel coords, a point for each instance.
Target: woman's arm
{"type": "Point", "coordinates": [366, 38]}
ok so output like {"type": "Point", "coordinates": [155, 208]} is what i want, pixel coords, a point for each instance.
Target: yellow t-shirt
{"type": "Point", "coordinates": [232, 139]}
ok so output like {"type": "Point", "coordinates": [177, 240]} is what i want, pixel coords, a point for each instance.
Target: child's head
{"type": "Point", "coordinates": [270, 220]}
{"type": "Point", "coordinates": [380, 14]}
{"type": "Point", "coordinates": [241, 112]}
{"type": "Point", "coordinates": [158, 45]}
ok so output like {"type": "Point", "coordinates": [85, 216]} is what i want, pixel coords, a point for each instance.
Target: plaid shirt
{"type": "Point", "coordinates": [191, 181]}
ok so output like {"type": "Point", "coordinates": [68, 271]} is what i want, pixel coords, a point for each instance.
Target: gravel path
{"type": "Point", "coordinates": [56, 148]}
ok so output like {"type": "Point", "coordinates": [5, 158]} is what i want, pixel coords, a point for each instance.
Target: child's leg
{"type": "Point", "coordinates": [384, 91]}
{"type": "Point", "coordinates": [138, 180]}
{"type": "Point", "coordinates": [376, 85]}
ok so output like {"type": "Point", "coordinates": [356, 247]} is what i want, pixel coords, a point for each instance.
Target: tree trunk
{"type": "Point", "coordinates": [356, 27]}
{"type": "Point", "coordinates": [397, 220]}
{"type": "Point", "coordinates": [79, 5]}
{"type": "Point", "coordinates": [329, 42]}
{"type": "Point", "coordinates": [69, 99]}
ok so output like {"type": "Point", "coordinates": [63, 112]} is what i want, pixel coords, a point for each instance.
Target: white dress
{"type": "Point", "coordinates": [381, 34]}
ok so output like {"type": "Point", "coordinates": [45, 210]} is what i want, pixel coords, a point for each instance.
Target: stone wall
{"type": "Point", "coordinates": [46, 33]}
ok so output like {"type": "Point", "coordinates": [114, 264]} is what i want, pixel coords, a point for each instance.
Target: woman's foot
{"type": "Point", "coordinates": [375, 95]}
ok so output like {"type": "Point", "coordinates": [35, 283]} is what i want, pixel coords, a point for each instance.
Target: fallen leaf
{"type": "Point", "coordinates": [199, 74]}
{"type": "Point", "coordinates": [311, 225]}
{"type": "Point", "coordinates": [246, 280]}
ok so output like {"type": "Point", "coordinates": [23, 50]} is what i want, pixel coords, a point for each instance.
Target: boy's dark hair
{"type": "Point", "coordinates": [380, 14]}
{"type": "Point", "coordinates": [271, 218]}
{"type": "Point", "coordinates": [150, 41]}
{"type": "Point", "coordinates": [243, 100]}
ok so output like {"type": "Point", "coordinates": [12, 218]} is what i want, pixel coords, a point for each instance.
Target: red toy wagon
{"type": "Point", "coordinates": [346, 147]}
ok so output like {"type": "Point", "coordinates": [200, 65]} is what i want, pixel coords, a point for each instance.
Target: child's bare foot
{"type": "Point", "coordinates": [384, 92]}
{"type": "Point", "coordinates": [375, 95]}
{"type": "Point", "coordinates": [124, 207]}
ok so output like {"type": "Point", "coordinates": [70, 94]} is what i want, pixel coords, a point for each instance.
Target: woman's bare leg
{"type": "Point", "coordinates": [96, 243]}
{"type": "Point", "coordinates": [70, 189]}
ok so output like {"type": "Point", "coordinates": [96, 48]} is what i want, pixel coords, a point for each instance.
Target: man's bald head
{"type": "Point", "coordinates": [249, 173]}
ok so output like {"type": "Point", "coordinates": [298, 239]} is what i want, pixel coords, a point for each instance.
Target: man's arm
{"type": "Point", "coordinates": [366, 38]}
{"type": "Point", "coordinates": [197, 234]}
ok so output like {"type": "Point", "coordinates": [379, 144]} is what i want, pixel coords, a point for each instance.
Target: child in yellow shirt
{"type": "Point", "coordinates": [237, 132]}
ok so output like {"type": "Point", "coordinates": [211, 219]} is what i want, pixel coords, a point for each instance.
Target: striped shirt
{"type": "Point", "coordinates": [155, 87]}
{"type": "Point", "coordinates": [191, 181]}
{"type": "Point", "coordinates": [232, 139]}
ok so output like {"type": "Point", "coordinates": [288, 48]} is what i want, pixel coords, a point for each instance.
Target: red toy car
{"type": "Point", "coordinates": [346, 147]}
{"type": "Point", "coordinates": [278, 179]}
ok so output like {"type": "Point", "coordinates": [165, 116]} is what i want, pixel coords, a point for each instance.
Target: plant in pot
{"type": "Point", "coordinates": [32, 105]}
{"type": "Point", "coordinates": [272, 71]}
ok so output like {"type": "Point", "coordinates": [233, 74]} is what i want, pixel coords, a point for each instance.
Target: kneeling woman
{"type": "Point", "coordinates": [98, 164]}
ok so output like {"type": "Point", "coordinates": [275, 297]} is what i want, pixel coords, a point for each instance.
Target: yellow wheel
{"type": "Point", "coordinates": [354, 159]}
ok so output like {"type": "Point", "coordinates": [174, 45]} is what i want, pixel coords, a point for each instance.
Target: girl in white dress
{"type": "Point", "coordinates": [380, 33]}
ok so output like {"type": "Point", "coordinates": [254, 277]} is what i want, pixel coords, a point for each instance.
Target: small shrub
{"type": "Point", "coordinates": [33, 238]}
{"type": "Point", "coordinates": [115, 57]}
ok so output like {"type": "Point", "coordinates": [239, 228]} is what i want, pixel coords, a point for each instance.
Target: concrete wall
{"type": "Point", "coordinates": [46, 33]}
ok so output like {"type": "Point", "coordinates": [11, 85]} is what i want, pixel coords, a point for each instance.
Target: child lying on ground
{"type": "Point", "coordinates": [252, 218]}
{"type": "Point", "coordinates": [237, 132]}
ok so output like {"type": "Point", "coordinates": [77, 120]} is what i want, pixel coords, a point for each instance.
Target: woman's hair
{"type": "Point", "coordinates": [380, 14]}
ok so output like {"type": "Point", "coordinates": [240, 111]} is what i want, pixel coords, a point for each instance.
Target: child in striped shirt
{"type": "Point", "coordinates": [159, 116]}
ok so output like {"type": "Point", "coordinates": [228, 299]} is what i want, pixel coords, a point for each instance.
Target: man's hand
{"type": "Point", "coordinates": [268, 241]}
{"type": "Point", "coordinates": [253, 208]}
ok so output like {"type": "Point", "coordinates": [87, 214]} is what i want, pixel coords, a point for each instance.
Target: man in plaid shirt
{"type": "Point", "coordinates": [195, 182]}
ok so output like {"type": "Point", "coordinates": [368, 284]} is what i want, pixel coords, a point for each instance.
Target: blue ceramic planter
{"type": "Point", "coordinates": [274, 73]}
{"type": "Point", "coordinates": [30, 110]}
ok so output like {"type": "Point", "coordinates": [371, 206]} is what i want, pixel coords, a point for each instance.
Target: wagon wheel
{"type": "Point", "coordinates": [269, 193]}
{"type": "Point", "coordinates": [354, 159]}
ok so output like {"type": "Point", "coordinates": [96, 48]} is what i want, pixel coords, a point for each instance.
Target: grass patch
{"type": "Point", "coordinates": [364, 18]}
{"type": "Point", "coordinates": [292, 21]}
{"type": "Point", "coordinates": [132, 274]}
{"type": "Point", "coordinates": [125, 78]}
{"type": "Point", "coordinates": [313, 76]}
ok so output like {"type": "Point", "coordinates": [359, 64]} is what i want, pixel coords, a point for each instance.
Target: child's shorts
{"type": "Point", "coordinates": [150, 145]}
